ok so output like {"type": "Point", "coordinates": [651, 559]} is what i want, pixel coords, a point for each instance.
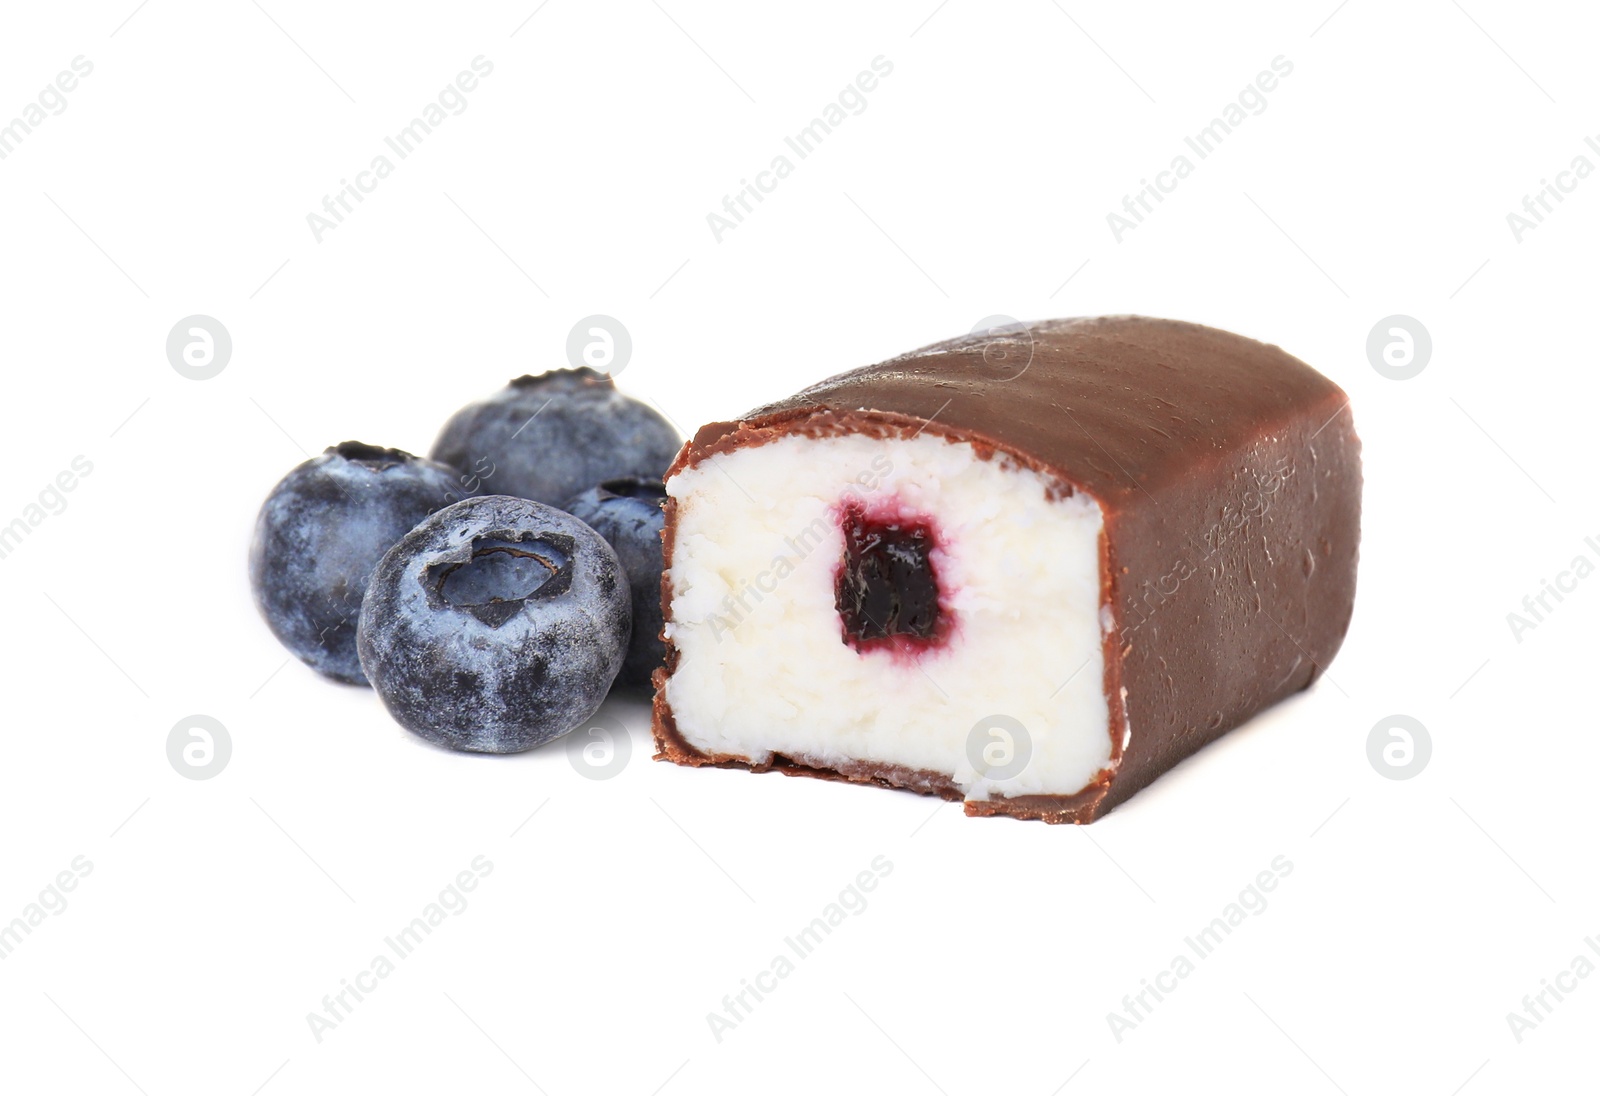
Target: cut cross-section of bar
{"type": "Point", "coordinates": [846, 599]}
{"type": "Point", "coordinates": [1029, 569]}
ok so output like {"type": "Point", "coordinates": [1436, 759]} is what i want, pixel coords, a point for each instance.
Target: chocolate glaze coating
{"type": "Point", "coordinates": [1229, 476]}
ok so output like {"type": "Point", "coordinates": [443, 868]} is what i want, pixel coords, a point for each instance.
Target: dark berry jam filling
{"type": "Point", "coordinates": [887, 591]}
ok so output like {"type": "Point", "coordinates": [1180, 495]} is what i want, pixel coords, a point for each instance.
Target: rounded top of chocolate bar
{"type": "Point", "coordinates": [1110, 405]}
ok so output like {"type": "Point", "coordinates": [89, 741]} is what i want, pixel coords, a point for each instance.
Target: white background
{"type": "Point", "coordinates": [218, 913]}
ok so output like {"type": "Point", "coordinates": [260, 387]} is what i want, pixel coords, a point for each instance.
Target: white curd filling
{"type": "Point", "coordinates": [763, 663]}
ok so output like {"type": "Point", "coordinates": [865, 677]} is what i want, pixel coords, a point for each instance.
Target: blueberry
{"type": "Point", "coordinates": [548, 437]}
{"type": "Point", "coordinates": [628, 513]}
{"type": "Point", "coordinates": [321, 532]}
{"type": "Point", "coordinates": [496, 625]}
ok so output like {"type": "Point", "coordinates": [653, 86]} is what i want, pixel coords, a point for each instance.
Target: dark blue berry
{"type": "Point", "coordinates": [321, 533]}
{"type": "Point", "coordinates": [628, 513]}
{"type": "Point", "coordinates": [548, 437]}
{"type": "Point", "coordinates": [496, 625]}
